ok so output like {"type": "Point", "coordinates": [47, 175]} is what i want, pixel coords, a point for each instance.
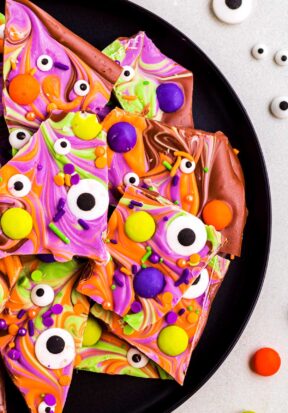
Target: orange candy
{"type": "Point", "coordinates": [30, 116]}
{"type": "Point", "coordinates": [266, 362]}
{"type": "Point", "coordinates": [217, 213]}
{"type": "Point", "coordinates": [13, 329]}
{"type": "Point", "coordinates": [101, 162]}
{"type": "Point", "coordinates": [100, 151]}
{"type": "Point", "coordinates": [24, 89]}
{"type": "Point", "coordinates": [181, 263]}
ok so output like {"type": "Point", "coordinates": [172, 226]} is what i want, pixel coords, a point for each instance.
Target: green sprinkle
{"type": "Point", "coordinates": [113, 287]}
{"type": "Point", "coordinates": [144, 266]}
{"type": "Point", "coordinates": [197, 311]}
{"type": "Point", "coordinates": [59, 233]}
{"type": "Point", "coordinates": [107, 240]}
{"type": "Point", "coordinates": [146, 82]}
{"type": "Point", "coordinates": [1, 179]}
{"type": "Point", "coordinates": [151, 188]}
{"type": "Point", "coordinates": [167, 165]}
{"type": "Point", "coordinates": [189, 308]}
{"type": "Point", "coordinates": [205, 169]}
{"type": "Point", "coordinates": [176, 202]}
{"type": "Point", "coordinates": [146, 256]}
{"type": "Point", "coordinates": [37, 275]}
{"type": "Point", "coordinates": [161, 260]}
{"type": "Point", "coordinates": [148, 248]}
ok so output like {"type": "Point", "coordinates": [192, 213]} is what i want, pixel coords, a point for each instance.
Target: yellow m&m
{"type": "Point", "coordinates": [140, 226]}
{"type": "Point", "coordinates": [173, 340]}
{"type": "Point", "coordinates": [16, 223]}
{"type": "Point", "coordinates": [86, 126]}
{"type": "Point", "coordinates": [92, 332]}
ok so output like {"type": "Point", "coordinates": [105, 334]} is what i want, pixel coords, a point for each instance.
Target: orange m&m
{"type": "Point", "coordinates": [217, 213]}
{"type": "Point", "coordinates": [24, 89]}
{"type": "Point", "coordinates": [266, 362]}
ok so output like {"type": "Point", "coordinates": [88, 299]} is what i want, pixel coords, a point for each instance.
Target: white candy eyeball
{"type": "Point", "coordinates": [128, 73]}
{"type": "Point", "coordinates": [45, 63]}
{"type": "Point", "coordinates": [187, 166]}
{"type": "Point", "coordinates": [55, 348]}
{"type": "Point", "coordinates": [62, 146]}
{"type": "Point", "coordinates": [19, 185]}
{"type": "Point", "coordinates": [19, 137]}
{"type": "Point", "coordinates": [186, 235]}
{"type": "Point", "coordinates": [137, 359]}
{"type": "Point", "coordinates": [131, 179]}
{"type": "Point", "coordinates": [88, 199]}
{"type": "Point", "coordinates": [81, 88]}
{"type": "Point", "coordinates": [42, 295]}
{"type": "Point", "coordinates": [2, 31]}
{"type": "Point", "coordinates": [259, 51]}
{"type": "Point", "coordinates": [279, 107]}
{"type": "Point", "coordinates": [199, 286]}
{"type": "Point", "coordinates": [44, 408]}
{"type": "Point", "coordinates": [281, 57]}
{"type": "Point", "coordinates": [232, 11]}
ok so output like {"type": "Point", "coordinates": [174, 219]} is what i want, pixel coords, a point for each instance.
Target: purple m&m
{"type": "Point", "coordinates": [170, 97]}
{"type": "Point", "coordinates": [122, 137]}
{"type": "Point", "coordinates": [171, 317]}
{"type": "Point", "coordinates": [14, 354]}
{"type": "Point", "coordinates": [149, 282]}
{"type": "Point", "coordinates": [50, 400]}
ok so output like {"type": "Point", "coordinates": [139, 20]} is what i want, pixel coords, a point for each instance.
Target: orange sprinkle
{"type": "Point", "coordinates": [167, 297]}
{"type": "Point", "coordinates": [195, 259]}
{"type": "Point", "coordinates": [217, 213]}
{"type": "Point", "coordinates": [106, 305]}
{"type": "Point", "coordinates": [175, 167]}
{"type": "Point", "coordinates": [192, 318]}
{"type": "Point", "coordinates": [59, 180]}
{"type": "Point", "coordinates": [12, 344]}
{"type": "Point", "coordinates": [32, 313]}
{"type": "Point", "coordinates": [64, 380]}
{"type": "Point", "coordinates": [13, 329]}
{"type": "Point", "coordinates": [125, 271]}
{"type": "Point", "coordinates": [24, 89]}
{"type": "Point", "coordinates": [127, 97]}
{"type": "Point", "coordinates": [100, 151]}
{"type": "Point", "coordinates": [181, 263]}
{"type": "Point", "coordinates": [1, 45]}
{"type": "Point", "coordinates": [79, 308]}
{"type": "Point", "coordinates": [67, 180]}
{"type": "Point", "coordinates": [101, 162]}
{"type": "Point", "coordinates": [236, 151]}
{"type": "Point", "coordinates": [184, 155]}
{"type": "Point", "coordinates": [30, 116]}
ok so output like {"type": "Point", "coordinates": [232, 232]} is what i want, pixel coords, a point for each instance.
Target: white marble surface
{"type": "Point", "coordinates": [234, 388]}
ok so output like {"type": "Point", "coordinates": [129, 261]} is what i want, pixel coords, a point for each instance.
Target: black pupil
{"type": "Point", "coordinates": [132, 180]}
{"type": "Point", "coordinates": [186, 237]}
{"type": "Point", "coordinates": [188, 164]}
{"type": "Point", "coordinates": [21, 136]}
{"type": "Point", "coordinates": [86, 201]}
{"type": "Point", "coordinates": [18, 186]}
{"type": "Point", "coordinates": [283, 105]}
{"type": "Point", "coordinates": [55, 344]}
{"type": "Point", "coordinates": [63, 144]}
{"type": "Point", "coordinates": [40, 292]}
{"type": "Point", "coordinates": [83, 86]}
{"type": "Point", "coordinates": [260, 51]}
{"type": "Point", "coordinates": [136, 358]}
{"type": "Point", "coordinates": [233, 4]}
{"type": "Point", "coordinates": [284, 58]}
{"type": "Point", "coordinates": [127, 73]}
{"type": "Point", "coordinates": [45, 61]}
{"type": "Point", "coordinates": [47, 409]}
{"type": "Point", "coordinates": [197, 280]}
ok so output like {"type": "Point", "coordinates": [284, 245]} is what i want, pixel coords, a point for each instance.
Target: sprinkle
{"type": "Point", "coordinates": [48, 322]}
{"type": "Point", "coordinates": [236, 151]}
{"type": "Point", "coordinates": [136, 203]}
{"type": "Point", "coordinates": [165, 219]}
{"type": "Point", "coordinates": [69, 169]}
{"type": "Point", "coordinates": [171, 317]}
{"type": "Point", "coordinates": [146, 82]}
{"type": "Point", "coordinates": [13, 329]}
{"type": "Point", "coordinates": [14, 354]}
{"type": "Point", "coordinates": [125, 271]}
{"type": "Point", "coordinates": [48, 313]}
{"type": "Point", "coordinates": [175, 180]}
{"type": "Point", "coordinates": [31, 329]}
{"type": "Point", "coordinates": [113, 287]}
{"type": "Point", "coordinates": [83, 224]}
{"type": "Point", "coordinates": [176, 202]}
{"type": "Point", "coordinates": [184, 155]}
{"type": "Point", "coordinates": [161, 260]}
{"type": "Point", "coordinates": [144, 266]}
{"type": "Point", "coordinates": [32, 71]}
{"type": "Point", "coordinates": [22, 332]}
{"type": "Point", "coordinates": [147, 255]}
{"type": "Point", "coordinates": [57, 309]}
{"type": "Point", "coordinates": [189, 308]}
{"type": "Point", "coordinates": [175, 167]}
{"type": "Point", "coordinates": [181, 311]}
{"type": "Point", "coordinates": [39, 167]}
{"type": "Point", "coordinates": [151, 188]}
{"type": "Point", "coordinates": [59, 215]}
{"type": "Point", "coordinates": [118, 281]}
{"type": "Point", "coordinates": [61, 66]}
{"type": "Point", "coordinates": [21, 314]}
{"type": "Point", "coordinates": [136, 307]}
{"type": "Point", "coordinates": [113, 241]}
{"type": "Point", "coordinates": [130, 206]}
{"type": "Point", "coordinates": [59, 180]}
{"type": "Point", "coordinates": [205, 169]}
{"type": "Point", "coordinates": [183, 278]}
{"type": "Point", "coordinates": [134, 269]}
{"type": "Point", "coordinates": [1, 179]}
{"type": "Point", "coordinates": [67, 180]}
{"type": "Point", "coordinates": [36, 275]}
{"type": "Point", "coordinates": [59, 233]}
{"type": "Point", "coordinates": [167, 165]}
{"type": "Point", "coordinates": [61, 203]}
{"type": "Point", "coordinates": [144, 186]}
{"type": "Point", "coordinates": [75, 179]}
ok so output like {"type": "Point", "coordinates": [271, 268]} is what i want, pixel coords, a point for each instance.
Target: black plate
{"type": "Point", "coordinates": [216, 107]}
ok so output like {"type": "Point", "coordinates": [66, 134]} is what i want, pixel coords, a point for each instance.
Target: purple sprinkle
{"type": "Point", "coordinates": [61, 203]}
{"type": "Point", "coordinates": [22, 332]}
{"type": "Point", "coordinates": [181, 311]}
{"type": "Point", "coordinates": [48, 322]}
{"type": "Point", "coordinates": [57, 309]}
{"type": "Point", "coordinates": [21, 314]}
{"type": "Point", "coordinates": [171, 317]}
{"type": "Point", "coordinates": [118, 281]}
{"type": "Point", "coordinates": [61, 66]}
{"type": "Point", "coordinates": [83, 224]}
{"type": "Point", "coordinates": [31, 329]}
{"type": "Point", "coordinates": [136, 203]}
{"type": "Point", "coordinates": [69, 169]}
{"type": "Point", "coordinates": [14, 354]}
{"type": "Point", "coordinates": [175, 180]}
{"type": "Point", "coordinates": [48, 313]}
{"type": "Point", "coordinates": [165, 219]}
{"type": "Point", "coordinates": [58, 215]}
{"type": "Point", "coordinates": [50, 400]}
{"type": "Point", "coordinates": [75, 179]}
{"type": "Point", "coordinates": [145, 186]}
{"type": "Point", "coordinates": [39, 167]}
{"type": "Point", "coordinates": [154, 258]}
{"type": "Point", "coordinates": [3, 324]}
{"type": "Point", "coordinates": [118, 62]}
{"type": "Point", "coordinates": [184, 279]}
{"type": "Point", "coordinates": [134, 269]}
{"type": "Point", "coordinates": [130, 206]}
{"type": "Point", "coordinates": [136, 307]}
{"type": "Point", "coordinates": [113, 241]}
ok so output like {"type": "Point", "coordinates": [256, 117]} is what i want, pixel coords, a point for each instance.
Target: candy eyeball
{"type": "Point", "coordinates": [42, 295]}
{"type": "Point", "coordinates": [259, 51]}
{"type": "Point", "coordinates": [55, 348]}
{"type": "Point", "coordinates": [279, 107]}
{"type": "Point", "coordinates": [19, 185]}
{"type": "Point", "coordinates": [131, 179]}
{"type": "Point", "coordinates": [186, 235]}
{"type": "Point", "coordinates": [19, 137]}
{"type": "Point", "coordinates": [62, 146]}
{"type": "Point", "coordinates": [187, 166]}
{"type": "Point", "coordinates": [281, 57]}
{"type": "Point", "coordinates": [44, 408]}
{"type": "Point", "coordinates": [136, 359]}
{"type": "Point", "coordinates": [198, 287]}
{"type": "Point", "coordinates": [45, 63]}
{"type": "Point", "coordinates": [88, 199]}
{"type": "Point", "coordinates": [81, 88]}
{"type": "Point", "coordinates": [232, 11]}
{"type": "Point", "coordinates": [128, 73]}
